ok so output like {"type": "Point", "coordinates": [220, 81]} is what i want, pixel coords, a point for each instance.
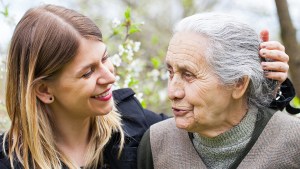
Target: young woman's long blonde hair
{"type": "Point", "coordinates": [46, 39]}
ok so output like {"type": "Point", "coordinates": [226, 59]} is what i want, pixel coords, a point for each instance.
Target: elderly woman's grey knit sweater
{"type": "Point", "coordinates": [221, 151]}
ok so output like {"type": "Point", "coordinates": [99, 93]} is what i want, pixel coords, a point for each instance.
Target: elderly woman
{"type": "Point", "coordinates": [219, 96]}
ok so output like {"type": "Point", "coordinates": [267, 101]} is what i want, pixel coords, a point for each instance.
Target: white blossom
{"type": "Point", "coordinates": [121, 50]}
{"type": "Point", "coordinates": [127, 81]}
{"type": "Point", "coordinates": [154, 73]}
{"type": "Point", "coordinates": [164, 75]}
{"type": "Point", "coordinates": [136, 65]}
{"type": "Point", "coordinates": [117, 83]}
{"type": "Point", "coordinates": [139, 96]}
{"type": "Point", "coordinates": [129, 45]}
{"type": "Point", "coordinates": [162, 95]}
{"type": "Point", "coordinates": [116, 60]}
{"type": "Point", "coordinates": [136, 46]}
{"type": "Point", "coordinates": [116, 22]}
{"type": "Point", "coordinates": [129, 55]}
{"type": "Point", "coordinates": [117, 78]}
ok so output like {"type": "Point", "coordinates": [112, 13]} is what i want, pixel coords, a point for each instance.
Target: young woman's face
{"type": "Point", "coordinates": [83, 87]}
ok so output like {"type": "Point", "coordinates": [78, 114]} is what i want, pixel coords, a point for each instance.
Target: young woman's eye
{"type": "Point", "coordinates": [89, 73]}
{"type": "Point", "coordinates": [104, 59]}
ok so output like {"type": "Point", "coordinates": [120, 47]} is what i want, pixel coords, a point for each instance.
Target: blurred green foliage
{"type": "Point", "coordinates": [4, 8]}
{"type": "Point", "coordinates": [131, 64]}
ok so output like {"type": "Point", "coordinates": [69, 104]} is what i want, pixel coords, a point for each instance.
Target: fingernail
{"type": "Point", "coordinates": [266, 73]}
{"type": "Point", "coordinates": [263, 46]}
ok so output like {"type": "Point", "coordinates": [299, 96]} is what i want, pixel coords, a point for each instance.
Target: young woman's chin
{"type": "Point", "coordinates": [105, 110]}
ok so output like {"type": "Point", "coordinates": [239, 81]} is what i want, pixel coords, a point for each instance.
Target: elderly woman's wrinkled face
{"type": "Point", "coordinates": [199, 103]}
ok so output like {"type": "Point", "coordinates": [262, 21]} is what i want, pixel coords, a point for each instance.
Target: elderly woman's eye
{"type": "Point", "coordinates": [171, 73]}
{"type": "Point", "coordinates": [188, 76]}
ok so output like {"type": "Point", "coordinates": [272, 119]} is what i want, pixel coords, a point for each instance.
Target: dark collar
{"type": "Point", "coordinates": [122, 94]}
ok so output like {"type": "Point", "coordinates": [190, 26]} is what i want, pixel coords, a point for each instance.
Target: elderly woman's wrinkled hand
{"type": "Point", "coordinates": [276, 60]}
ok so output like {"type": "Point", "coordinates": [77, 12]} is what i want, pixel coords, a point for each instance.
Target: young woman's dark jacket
{"type": "Point", "coordinates": [136, 121]}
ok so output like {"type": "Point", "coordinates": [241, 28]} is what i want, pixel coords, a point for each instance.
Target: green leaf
{"type": "Point", "coordinates": [155, 62]}
{"type": "Point", "coordinates": [296, 102]}
{"type": "Point", "coordinates": [147, 91]}
{"type": "Point", "coordinates": [133, 82]}
{"type": "Point", "coordinates": [133, 29]}
{"type": "Point", "coordinates": [144, 104]}
{"type": "Point", "coordinates": [5, 13]}
{"type": "Point", "coordinates": [127, 13]}
{"type": "Point", "coordinates": [116, 32]}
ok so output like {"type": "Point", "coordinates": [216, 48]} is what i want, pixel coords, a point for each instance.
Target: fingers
{"type": "Point", "coordinates": [264, 35]}
{"type": "Point", "coordinates": [272, 45]}
{"type": "Point", "coordinates": [276, 70]}
{"type": "Point", "coordinates": [274, 55]}
{"type": "Point", "coordinates": [274, 52]}
{"type": "Point", "coordinates": [279, 76]}
{"type": "Point", "coordinates": [275, 67]}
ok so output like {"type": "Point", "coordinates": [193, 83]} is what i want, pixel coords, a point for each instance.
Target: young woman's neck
{"type": "Point", "coordinates": [72, 137]}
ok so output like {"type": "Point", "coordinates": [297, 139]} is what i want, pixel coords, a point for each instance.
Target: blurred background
{"type": "Point", "coordinates": [137, 33]}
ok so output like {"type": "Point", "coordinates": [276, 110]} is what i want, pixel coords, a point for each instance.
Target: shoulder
{"type": "Point", "coordinates": [165, 129]}
{"type": "Point", "coordinates": [2, 151]}
{"type": "Point", "coordinates": [286, 127]}
{"type": "Point", "coordinates": [127, 103]}
{"type": "Point", "coordinates": [165, 126]}
{"type": "Point", "coordinates": [134, 116]}
{"type": "Point", "coordinates": [287, 119]}
{"type": "Point", "coordinates": [144, 158]}
{"type": "Point", "coordinates": [122, 94]}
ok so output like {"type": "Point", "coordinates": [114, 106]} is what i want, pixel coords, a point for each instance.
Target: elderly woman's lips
{"type": "Point", "coordinates": [179, 112]}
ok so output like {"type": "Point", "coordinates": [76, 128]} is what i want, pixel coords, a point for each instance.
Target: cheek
{"type": "Point", "coordinates": [198, 97]}
{"type": "Point", "coordinates": [195, 93]}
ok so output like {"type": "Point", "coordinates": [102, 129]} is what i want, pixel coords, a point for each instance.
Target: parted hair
{"type": "Point", "coordinates": [44, 41]}
{"type": "Point", "coordinates": [232, 53]}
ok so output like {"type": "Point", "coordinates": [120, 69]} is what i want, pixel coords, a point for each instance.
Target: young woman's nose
{"type": "Point", "coordinates": [107, 76]}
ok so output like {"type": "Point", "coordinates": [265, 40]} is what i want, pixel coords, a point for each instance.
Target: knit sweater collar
{"type": "Point", "coordinates": [221, 151]}
{"type": "Point", "coordinates": [239, 133]}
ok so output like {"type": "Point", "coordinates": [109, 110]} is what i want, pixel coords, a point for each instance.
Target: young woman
{"type": "Point", "coordinates": [59, 97]}
{"type": "Point", "coordinates": [59, 91]}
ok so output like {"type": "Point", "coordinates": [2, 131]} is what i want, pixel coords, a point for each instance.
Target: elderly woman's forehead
{"type": "Point", "coordinates": [187, 44]}
{"type": "Point", "coordinates": [188, 37]}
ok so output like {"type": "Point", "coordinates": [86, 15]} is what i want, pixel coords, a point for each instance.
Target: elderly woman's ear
{"type": "Point", "coordinates": [240, 87]}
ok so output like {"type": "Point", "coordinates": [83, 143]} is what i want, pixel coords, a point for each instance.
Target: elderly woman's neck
{"type": "Point", "coordinates": [231, 118]}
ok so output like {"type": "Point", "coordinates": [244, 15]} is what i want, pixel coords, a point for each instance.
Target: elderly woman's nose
{"type": "Point", "coordinates": [175, 90]}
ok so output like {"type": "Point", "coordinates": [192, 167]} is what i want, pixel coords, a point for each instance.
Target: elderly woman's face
{"type": "Point", "coordinates": [199, 103]}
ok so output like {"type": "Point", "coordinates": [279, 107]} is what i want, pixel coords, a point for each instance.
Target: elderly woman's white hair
{"type": "Point", "coordinates": [232, 53]}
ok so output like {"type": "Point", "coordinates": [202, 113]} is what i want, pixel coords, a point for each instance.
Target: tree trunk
{"type": "Point", "coordinates": [289, 39]}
